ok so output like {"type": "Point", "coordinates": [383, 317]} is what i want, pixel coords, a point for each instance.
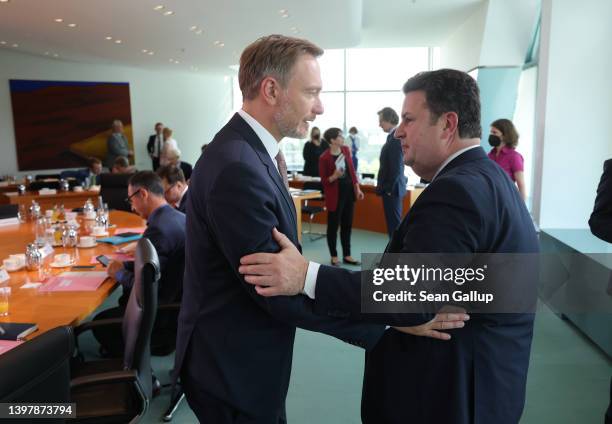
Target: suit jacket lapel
{"type": "Point", "coordinates": [249, 135]}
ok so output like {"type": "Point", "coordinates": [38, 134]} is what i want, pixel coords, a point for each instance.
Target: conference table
{"type": "Point", "coordinates": [298, 197]}
{"type": "Point", "coordinates": [51, 309]}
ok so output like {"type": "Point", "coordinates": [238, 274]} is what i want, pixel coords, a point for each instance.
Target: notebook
{"type": "Point", "coordinates": [16, 330]}
{"type": "Point", "coordinates": [120, 239]}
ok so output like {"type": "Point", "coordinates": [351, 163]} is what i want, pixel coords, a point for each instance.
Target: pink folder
{"type": "Point", "coordinates": [138, 230]}
{"type": "Point", "coordinates": [74, 281]}
{"type": "Point", "coordinates": [6, 345]}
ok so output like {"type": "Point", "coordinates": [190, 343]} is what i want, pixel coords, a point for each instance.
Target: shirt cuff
{"type": "Point", "coordinates": [310, 283]}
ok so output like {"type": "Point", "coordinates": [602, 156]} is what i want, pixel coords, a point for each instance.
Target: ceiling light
{"type": "Point", "coordinates": [15, 45]}
{"type": "Point", "coordinates": [284, 13]}
{"type": "Point", "coordinates": [145, 51]}
{"type": "Point", "coordinates": [171, 60]}
{"type": "Point", "coordinates": [3, 43]}
{"type": "Point", "coordinates": [47, 53]}
{"type": "Point", "coordinates": [58, 20]}
{"type": "Point", "coordinates": [176, 62]}
{"type": "Point", "coordinates": [72, 25]}
{"type": "Point", "coordinates": [55, 55]}
{"type": "Point", "coordinates": [193, 28]}
{"type": "Point", "coordinates": [159, 7]}
{"type": "Point", "coordinates": [118, 41]}
{"type": "Point", "coordinates": [4, 1]}
{"type": "Point", "coordinates": [168, 13]}
{"type": "Point", "coordinates": [150, 53]}
{"type": "Point", "coordinates": [109, 38]}
{"type": "Point", "coordinates": [199, 32]}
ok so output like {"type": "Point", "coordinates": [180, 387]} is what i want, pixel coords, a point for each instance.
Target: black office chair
{"type": "Point", "coordinates": [114, 190]}
{"type": "Point", "coordinates": [9, 211]}
{"type": "Point", "coordinates": [366, 175]}
{"type": "Point", "coordinates": [312, 210]}
{"type": "Point", "coordinates": [38, 370]}
{"type": "Point", "coordinates": [39, 177]}
{"type": "Point", "coordinates": [119, 390]}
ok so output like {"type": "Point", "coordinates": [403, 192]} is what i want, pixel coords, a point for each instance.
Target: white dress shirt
{"type": "Point", "coordinates": [264, 135]}
{"type": "Point", "coordinates": [310, 284]}
{"type": "Point", "coordinates": [169, 144]}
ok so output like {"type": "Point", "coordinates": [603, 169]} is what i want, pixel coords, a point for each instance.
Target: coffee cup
{"type": "Point", "coordinates": [49, 213]}
{"type": "Point", "coordinates": [87, 241]}
{"type": "Point", "coordinates": [62, 259]}
{"type": "Point", "coordinates": [20, 257]}
{"type": "Point", "coordinates": [11, 264]}
{"type": "Point", "coordinates": [98, 230]}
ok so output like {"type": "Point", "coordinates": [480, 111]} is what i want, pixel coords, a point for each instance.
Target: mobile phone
{"type": "Point", "coordinates": [103, 260]}
{"type": "Point", "coordinates": [127, 235]}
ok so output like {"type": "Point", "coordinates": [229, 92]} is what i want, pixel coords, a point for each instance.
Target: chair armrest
{"type": "Point", "coordinates": [122, 376]}
{"type": "Point", "coordinates": [90, 325]}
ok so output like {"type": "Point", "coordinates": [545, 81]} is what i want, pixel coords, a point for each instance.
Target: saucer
{"type": "Point", "coordinates": [19, 268]}
{"type": "Point", "coordinates": [80, 246]}
{"type": "Point", "coordinates": [60, 265]}
{"type": "Point", "coordinates": [104, 234]}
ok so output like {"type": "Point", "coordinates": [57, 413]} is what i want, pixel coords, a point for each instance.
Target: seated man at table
{"type": "Point", "coordinates": [166, 230]}
{"type": "Point", "coordinates": [175, 186]}
{"type": "Point", "coordinates": [121, 165]}
{"type": "Point", "coordinates": [93, 170]}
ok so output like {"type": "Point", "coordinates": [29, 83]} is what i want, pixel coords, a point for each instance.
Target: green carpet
{"type": "Point", "coordinates": [568, 379]}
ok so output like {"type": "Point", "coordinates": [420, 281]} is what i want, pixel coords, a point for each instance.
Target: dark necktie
{"type": "Point", "coordinates": [282, 168]}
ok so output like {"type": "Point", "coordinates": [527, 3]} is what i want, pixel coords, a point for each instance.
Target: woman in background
{"type": "Point", "coordinates": [312, 151]}
{"type": "Point", "coordinates": [504, 139]}
{"type": "Point", "coordinates": [169, 144]}
{"type": "Point", "coordinates": [341, 188]}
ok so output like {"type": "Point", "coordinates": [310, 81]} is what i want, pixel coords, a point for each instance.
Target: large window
{"type": "Point", "coordinates": [357, 83]}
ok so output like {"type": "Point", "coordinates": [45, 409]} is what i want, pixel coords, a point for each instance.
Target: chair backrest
{"type": "Point", "coordinates": [9, 211]}
{"type": "Point", "coordinates": [114, 190]}
{"type": "Point", "coordinates": [39, 369]}
{"type": "Point", "coordinates": [366, 175]}
{"type": "Point", "coordinates": [140, 313]}
{"type": "Point", "coordinates": [39, 184]}
{"type": "Point", "coordinates": [46, 176]}
{"type": "Point", "coordinates": [313, 185]}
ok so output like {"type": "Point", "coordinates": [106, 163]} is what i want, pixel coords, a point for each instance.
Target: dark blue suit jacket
{"type": "Point", "coordinates": [478, 376]}
{"type": "Point", "coordinates": [166, 230]}
{"type": "Point", "coordinates": [234, 344]}
{"type": "Point", "coordinates": [391, 179]}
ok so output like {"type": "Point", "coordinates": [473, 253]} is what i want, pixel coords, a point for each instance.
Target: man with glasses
{"type": "Point", "coordinates": [166, 230]}
{"type": "Point", "coordinates": [175, 186]}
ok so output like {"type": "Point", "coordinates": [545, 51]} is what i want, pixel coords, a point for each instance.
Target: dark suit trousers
{"type": "Point", "coordinates": [155, 163]}
{"type": "Point", "coordinates": [211, 410]}
{"type": "Point", "coordinates": [343, 215]}
{"type": "Point", "coordinates": [393, 212]}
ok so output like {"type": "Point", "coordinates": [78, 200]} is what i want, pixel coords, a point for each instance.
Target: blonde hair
{"type": "Point", "coordinates": [271, 56]}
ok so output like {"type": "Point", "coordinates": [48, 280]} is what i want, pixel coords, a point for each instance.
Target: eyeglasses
{"type": "Point", "coordinates": [128, 199]}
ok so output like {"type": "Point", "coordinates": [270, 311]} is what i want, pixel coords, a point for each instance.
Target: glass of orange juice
{"type": "Point", "coordinates": [5, 293]}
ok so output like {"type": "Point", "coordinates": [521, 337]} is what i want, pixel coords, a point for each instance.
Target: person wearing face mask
{"type": "Point", "coordinates": [341, 188]}
{"type": "Point", "coordinates": [312, 151]}
{"type": "Point", "coordinates": [504, 139]}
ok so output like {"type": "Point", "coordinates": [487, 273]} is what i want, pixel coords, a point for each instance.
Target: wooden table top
{"type": "Point", "coordinates": [52, 309]}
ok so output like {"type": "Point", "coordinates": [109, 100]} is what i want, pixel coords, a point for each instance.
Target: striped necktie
{"type": "Point", "coordinates": [282, 168]}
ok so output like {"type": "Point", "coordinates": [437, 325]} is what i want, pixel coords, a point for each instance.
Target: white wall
{"type": "Point", "coordinates": [462, 49]}
{"type": "Point", "coordinates": [194, 105]}
{"type": "Point", "coordinates": [573, 109]}
{"type": "Point", "coordinates": [508, 32]}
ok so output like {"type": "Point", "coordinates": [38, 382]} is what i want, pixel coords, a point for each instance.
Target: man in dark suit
{"type": "Point", "coordinates": [154, 145]}
{"type": "Point", "coordinates": [601, 226]}
{"type": "Point", "coordinates": [234, 348]}
{"type": "Point", "coordinates": [469, 207]}
{"type": "Point", "coordinates": [175, 186]}
{"type": "Point", "coordinates": [391, 181]}
{"type": "Point", "coordinates": [166, 231]}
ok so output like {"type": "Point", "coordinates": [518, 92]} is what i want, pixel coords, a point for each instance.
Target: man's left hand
{"type": "Point", "coordinates": [276, 274]}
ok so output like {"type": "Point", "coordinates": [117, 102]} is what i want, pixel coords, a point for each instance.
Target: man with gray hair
{"type": "Point", "coordinates": [117, 144]}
